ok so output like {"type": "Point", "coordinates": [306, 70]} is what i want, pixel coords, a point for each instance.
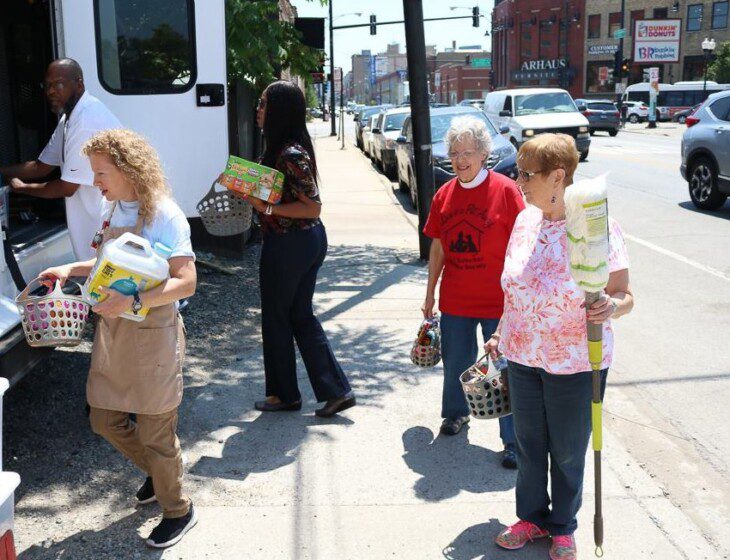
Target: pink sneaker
{"type": "Point", "coordinates": [563, 548]}
{"type": "Point", "coordinates": [517, 535]}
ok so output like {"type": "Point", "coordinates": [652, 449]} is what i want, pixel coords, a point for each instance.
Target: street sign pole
{"type": "Point", "coordinates": [332, 77]}
{"type": "Point", "coordinates": [653, 92]}
{"type": "Point", "coordinates": [420, 115]}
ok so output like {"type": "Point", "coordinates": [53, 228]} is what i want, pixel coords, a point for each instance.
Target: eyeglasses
{"type": "Point", "coordinates": [526, 175]}
{"type": "Point", "coordinates": [58, 85]}
{"type": "Point", "coordinates": [466, 154]}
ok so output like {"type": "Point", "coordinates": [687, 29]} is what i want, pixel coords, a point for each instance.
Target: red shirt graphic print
{"type": "Point", "coordinates": [474, 226]}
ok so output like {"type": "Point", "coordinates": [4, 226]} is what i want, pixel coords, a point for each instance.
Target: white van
{"type": "Point", "coordinates": [160, 66]}
{"type": "Point", "coordinates": [531, 111]}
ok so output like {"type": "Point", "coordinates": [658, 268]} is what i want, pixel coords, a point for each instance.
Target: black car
{"type": "Point", "coordinates": [502, 158]}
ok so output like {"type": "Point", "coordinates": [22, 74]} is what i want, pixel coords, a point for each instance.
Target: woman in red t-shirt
{"type": "Point", "coordinates": [470, 223]}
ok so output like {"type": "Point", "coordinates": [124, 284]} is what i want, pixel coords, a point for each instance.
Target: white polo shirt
{"type": "Point", "coordinates": [84, 208]}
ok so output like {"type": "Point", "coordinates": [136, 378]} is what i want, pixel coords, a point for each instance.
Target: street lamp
{"type": "Point", "coordinates": [333, 131]}
{"type": "Point", "coordinates": [708, 47]}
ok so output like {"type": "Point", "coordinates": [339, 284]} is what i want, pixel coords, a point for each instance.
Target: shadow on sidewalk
{"type": "Point", "coordinates": [103, 543]}
{"type": "Point", "coordinates": [477, 543]}
{"type": "Point", "coordinates": [722, 213]}
{"type": "Point", "coordinates": [449, 465]}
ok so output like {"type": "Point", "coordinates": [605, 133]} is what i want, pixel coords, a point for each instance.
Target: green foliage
{"type": "Point", "coordinates": [260, 45]}
{"type": "Point", "coordinates": [312, 98]}
{"type": "Point", "coordinates": [719, 70]}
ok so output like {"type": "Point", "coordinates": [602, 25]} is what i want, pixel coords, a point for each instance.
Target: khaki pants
{"type": "Point", "coordinates": [151, 444]}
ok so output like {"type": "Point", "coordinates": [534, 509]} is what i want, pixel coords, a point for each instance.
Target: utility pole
{"type": "Point", "coordinates": [332, 77]}
{"type": "Point", "coordinates": [617, 67]}
{"type": "Point", "coordinates": [420, 115]}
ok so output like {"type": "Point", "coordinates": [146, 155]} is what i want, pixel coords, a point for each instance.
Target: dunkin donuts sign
{"type": "Point", "coordinates": [657, 40]}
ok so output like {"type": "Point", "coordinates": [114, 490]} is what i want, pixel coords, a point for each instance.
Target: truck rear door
{"type": "Point", "coordinates": [161, 68]}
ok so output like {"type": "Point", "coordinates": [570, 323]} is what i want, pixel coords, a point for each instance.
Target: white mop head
{"type": "Point", "coordinates": [586, 220]}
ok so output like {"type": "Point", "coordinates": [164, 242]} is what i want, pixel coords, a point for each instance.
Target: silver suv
{"type": "Point", "coordinates": [706, 152]}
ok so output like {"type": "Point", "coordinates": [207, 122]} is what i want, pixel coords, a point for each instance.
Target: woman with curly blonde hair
{"type": "Point", "coordinates": [136, 367]}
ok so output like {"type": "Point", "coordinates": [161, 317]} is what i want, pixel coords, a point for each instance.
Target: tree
{"type": "Point", "coordinates": [719, 70]}
{"type": "Point", "coordinates": [312, 97]}
{"type": "Point", "coordinates": [260, 45]}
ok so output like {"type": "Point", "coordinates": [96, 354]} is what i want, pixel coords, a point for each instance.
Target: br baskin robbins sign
{"type": "Point", "coordinates": [657, 40]}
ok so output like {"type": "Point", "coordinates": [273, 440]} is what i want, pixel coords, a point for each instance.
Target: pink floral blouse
{"type": "Point", "coordinates": [543, 324]}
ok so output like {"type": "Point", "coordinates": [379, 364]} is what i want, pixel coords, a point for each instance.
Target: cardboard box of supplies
{"type": "Point", "coordinates": [253, 179]}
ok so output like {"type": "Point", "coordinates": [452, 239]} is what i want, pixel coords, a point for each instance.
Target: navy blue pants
{"type": "Point", "coordinates": [287, 276]}
{"type": "Point", "coordinates": [552, 416]}
{"type": "Point", "coordinates": [459, 351]}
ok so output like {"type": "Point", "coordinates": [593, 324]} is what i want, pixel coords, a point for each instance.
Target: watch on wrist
{"type": "Point", "coordinates": [136, 304]}
{"type": "Point", "coordinates": [269, 210]}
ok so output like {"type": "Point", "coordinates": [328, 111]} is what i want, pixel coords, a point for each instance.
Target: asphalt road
{"type": "Point", "coordinates": [669, 396]}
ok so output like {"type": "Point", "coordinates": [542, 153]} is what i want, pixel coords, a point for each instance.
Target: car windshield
{"type": "Point", "coordinates": [440, 124]}
{"type": "Point", "coordinates": [394, 122]}
{"type": "Point", "coordinates": [601, 106]}
{"type": "Point", "coordinates": [367, 113]}
{"type": "Point", "coordinates": [558, 102]}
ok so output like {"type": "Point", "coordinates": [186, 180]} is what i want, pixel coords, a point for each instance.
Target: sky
{"type": "Point", "coordinates": [439, 33]}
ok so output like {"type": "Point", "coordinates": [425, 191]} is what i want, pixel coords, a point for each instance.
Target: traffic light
{"type": "Point", "coordinates": [625, 65]}
{"type": "Point", "coordinates": [373, 25]}
{"type": "Point", "coordinates": [475, 16]}
{"type": "Point", "coordinates": [468, 60]}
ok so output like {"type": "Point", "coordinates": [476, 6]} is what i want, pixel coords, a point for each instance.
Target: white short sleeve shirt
{"type": "Point", "coordinates": [84, 208]}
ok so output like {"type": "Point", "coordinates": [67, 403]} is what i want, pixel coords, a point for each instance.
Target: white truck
{"type": "Point", "coordinates": [160, 66]}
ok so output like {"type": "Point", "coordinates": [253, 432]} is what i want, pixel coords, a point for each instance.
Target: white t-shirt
{"type": "Point", "coordinates": [169, 225]}
{"type": "Point", "coordinates": [83, 209]}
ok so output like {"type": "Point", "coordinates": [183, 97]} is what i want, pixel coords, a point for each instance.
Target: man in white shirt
{"type": "Point", "coordinates": [82, 116]}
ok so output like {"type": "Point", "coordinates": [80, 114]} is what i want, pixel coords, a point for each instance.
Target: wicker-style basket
{"type": "Point", "coordinates": [223, 213]}
{"type": "Point", "coordinates": [53, 319]}
{"type": "Point", "coordinates": [486, 390]}
{"type": "Point", "coordinates": [426, 349]}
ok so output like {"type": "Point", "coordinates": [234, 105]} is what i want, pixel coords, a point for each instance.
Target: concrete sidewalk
{"type": "Point", "coordinates": [377, 482]}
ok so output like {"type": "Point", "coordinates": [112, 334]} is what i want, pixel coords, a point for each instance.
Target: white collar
{"type": "Point", "coordinates": [476, 181]}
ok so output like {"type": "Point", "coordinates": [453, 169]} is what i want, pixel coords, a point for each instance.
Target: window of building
{"type": "Point", "coordinates": [661, 13]}
{"type": "Point", "coordinates": [720, 14]}
{"type": "Point", "coordinates": [145, 47]}
{"type": "Point", "coordinates": [635, 14]}
{"type": "Point", "coordinates": [599, 77]}
{"type": "Point", "coordinates": [694, 17]}
{"type": "Point", "coordinates": [693, 68]}
{"type": "Point", "coordinates": [614, 23]}
{"type": "Point", "coordinates": [594, 26]}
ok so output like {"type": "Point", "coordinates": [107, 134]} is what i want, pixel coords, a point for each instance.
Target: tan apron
{"type": "Point", "coordinates": [137, 366]}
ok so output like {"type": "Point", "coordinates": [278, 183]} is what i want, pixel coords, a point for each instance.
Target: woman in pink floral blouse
{"type": "Point", "coordinates": [543, 336]}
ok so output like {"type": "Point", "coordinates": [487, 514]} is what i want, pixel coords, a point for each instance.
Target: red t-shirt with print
{"type": "Point", "coordinates": [474, 226]}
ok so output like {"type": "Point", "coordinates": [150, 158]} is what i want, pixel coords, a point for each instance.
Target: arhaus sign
{"type": "Point", "coordinates": [549, 64]}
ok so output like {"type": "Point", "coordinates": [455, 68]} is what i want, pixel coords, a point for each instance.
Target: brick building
{"type": "Point", "coordinates": [698, 20]}
{"type": "Point", "coordinates": [539, 43]}
{"type": "Point", "coordinates": [454, 82]}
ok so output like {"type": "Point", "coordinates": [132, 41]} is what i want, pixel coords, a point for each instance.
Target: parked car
{"type": "Point", "coordinates": [385, 132]}
{"type": "Point", "coordinates": [531, 111]}
{"type": "Point", "coordinates": [681, 116]}
{"type": "Point", "coordinates": [502, 158]}
{"type": "Point", "coordinates": [367, 136]}
{"type": "Point", "coordinates": [362, 118]}
{"type": "Point", "coordinates": [478, 103]}
{"type": "Point", "coordinates": [636, 111]}
{"type": "Point", "coordinates": [706, 152]}
{"type": "Point", "coordinates": [602, 114]}
{"type": "Point", "coordinates": [315, 112]}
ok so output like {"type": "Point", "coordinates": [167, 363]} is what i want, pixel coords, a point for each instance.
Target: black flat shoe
{"type": "Point", "coordinates": [333, 406]}
{"type": "Point", "coordinates": [452, 426]}
{"type": "Point", "coordinates": [265, 406]}
{"type": "Point", "coordinates": [509, 456]}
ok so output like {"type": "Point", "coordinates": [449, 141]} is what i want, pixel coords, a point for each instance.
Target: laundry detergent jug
{"type": "Point", "coordinates": [130, 265]}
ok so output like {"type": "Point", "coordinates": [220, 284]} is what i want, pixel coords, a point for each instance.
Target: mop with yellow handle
{"type": "Point", "coordinates": [586, 219]}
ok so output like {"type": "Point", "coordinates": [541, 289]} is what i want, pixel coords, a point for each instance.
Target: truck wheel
{"type": "Point", "coordinates": [703, 188]}
{"type": "Point", "coordinates": [413, 192]}
{"type": "Point", "coordinates": [583, 155]}
{"type": "Point", "coordinates": [613, 132]}
{"type": "Point", "coordinates": [402, 186]}
{"type": "Point", "coordinates": [633, 118]}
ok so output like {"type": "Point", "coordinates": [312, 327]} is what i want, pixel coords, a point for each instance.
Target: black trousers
{"type": "Point", "coordinates": [287, 276]}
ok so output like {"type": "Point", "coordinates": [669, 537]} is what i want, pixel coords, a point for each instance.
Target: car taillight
{"type": "Point", "coordinates": [691, 121]}
{"type": "Point", "coordinates": [615, 113]}
{"type": "Point", "coordinates": [587, 113]}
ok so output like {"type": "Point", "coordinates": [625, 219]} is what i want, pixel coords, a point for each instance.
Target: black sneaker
{"type": "Point", "coordinates": [452, 426]}
{"type": "Point", "coordinates": [146, 492]}
{"type": "Point", "coordinates": [509, 457]}
{"type": "Point", "coordinates": [170, 531]}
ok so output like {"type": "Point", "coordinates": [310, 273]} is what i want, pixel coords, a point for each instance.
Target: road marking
{"type": "Point", "coordinates": [678, 257]}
